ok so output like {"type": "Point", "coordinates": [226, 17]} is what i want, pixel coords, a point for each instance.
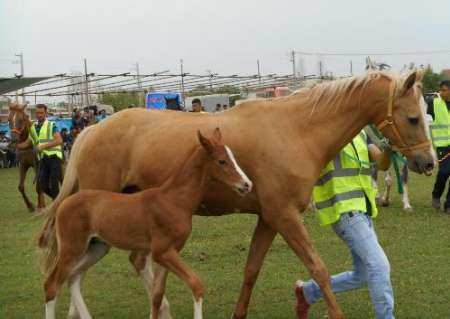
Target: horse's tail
{"type": "Point", "coordinates": [47, 237]}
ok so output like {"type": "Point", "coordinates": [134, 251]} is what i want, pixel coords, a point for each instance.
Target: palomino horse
{"type": "Point", "coordinates": [282, 144]}
{"type": "Point", "coordinates": [20, 124]}
{"type": "Point", "coordinates": [155, 222]}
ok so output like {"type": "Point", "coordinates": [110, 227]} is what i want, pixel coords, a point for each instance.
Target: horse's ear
{"type": "Point", "coordinates": [206, 143]}
{"type": "Point", "coordinates": [409, 82]}
{"type": "Point", "coordinates": [420, 74]}
{"type": "Point", "coordinates": [217, 134]}
{"type": "Point", "coordinates": [24, 106]}
{"type": "Point", "coordinates": [370, 66]}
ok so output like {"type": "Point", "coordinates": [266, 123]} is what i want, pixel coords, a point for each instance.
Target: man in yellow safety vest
{"type": "Point", "coordinates": [440, 134]}
{"type": "Point", "coordinates": [47, 143]}
{"type": "Point", "coordinates": [344, 198]}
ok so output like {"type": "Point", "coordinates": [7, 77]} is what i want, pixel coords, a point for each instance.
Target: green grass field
{"type": "Point", "coordinates": [417, 244]}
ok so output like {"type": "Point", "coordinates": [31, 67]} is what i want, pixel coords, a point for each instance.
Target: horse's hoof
{"type": "Point", "coordinates": [408, 209]}
{"type": "Point", "coordinates": [31, 209]}
{"type": "Point", "coordinates": [385, 203]}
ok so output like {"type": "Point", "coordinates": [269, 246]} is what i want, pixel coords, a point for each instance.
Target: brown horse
{"type": "Point", "coordinates": [19, 125]}
{"type": "Point", "coordinates": [282, 144]}
{"type": "Point", "coordinates": [156, 222]}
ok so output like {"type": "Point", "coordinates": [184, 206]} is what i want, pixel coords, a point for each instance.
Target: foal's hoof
{"type": "Point", "coordinates": [31, 208]}
{"type": "Point", "coordinates": [408, 209]}
{"type": "Point", "coordinates": [385, 202]}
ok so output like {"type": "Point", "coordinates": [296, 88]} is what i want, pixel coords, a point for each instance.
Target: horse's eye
{"type": "Point", "coordinates": [413, 120]}
{"type": "Point", "coordinates": [222, 162]}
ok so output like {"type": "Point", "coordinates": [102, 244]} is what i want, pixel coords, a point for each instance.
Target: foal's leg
{"type": "Point", "coordinates": [385, 201]}
{"type": "Point", "coordinates": [261, 241]}
{"type": "Point", "coordinates": [21, 187]}
{"type": "Point", "coordinates": [57, 277]}
{"type": "Point", "coordinates": [159, 287]}
{"type": "Point", "coordinates": [143, 265]}
{"type": "Point", "coordinates": [405, 198]}
{"type": "Point", "coordinates": [173, 262]}
{"type": "Point", "coordinates": [288, 224]}
{"type": "Point", "coordinates": [94, 253]}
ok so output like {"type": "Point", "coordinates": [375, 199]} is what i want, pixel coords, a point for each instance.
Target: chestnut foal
{"type": "Point", "coordinates": [153, 223]}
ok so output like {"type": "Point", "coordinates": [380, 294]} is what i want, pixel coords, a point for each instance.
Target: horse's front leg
{"type": "Point", "coordinates": [261, 241]}
{"type": "Point", "coordinates": [291, 227]}
{"type": "Point", "coordinates": [405, 197]}
{"type": "Point", "coordinates": [385, 200]}
{"type": "Point", "coordinates": [23, 172]}
{"type": "Point", "coordinates": [41, 197]}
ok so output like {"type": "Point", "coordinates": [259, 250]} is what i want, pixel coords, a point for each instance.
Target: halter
{"type": "Point", "coordinates": [390, 123]}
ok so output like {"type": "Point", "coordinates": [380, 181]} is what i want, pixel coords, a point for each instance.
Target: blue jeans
{"type": "Point", "coordinates": [370, 265]}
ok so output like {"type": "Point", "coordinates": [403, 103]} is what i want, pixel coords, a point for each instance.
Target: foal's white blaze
{"type": "Point", "coordinates": [50, 309]}
{"type": "Point", "coordinates": [238, 169]}
{"type": "Point", "coordinates": [198, 308]}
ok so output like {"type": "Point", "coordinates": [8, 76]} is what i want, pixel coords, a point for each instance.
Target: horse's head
{"type": "Point", "coordinates": [223, 164]}
{"type": "Point", "coordinates": [19, 122]}
{"type": "Point", "coordinates": [404, 122]}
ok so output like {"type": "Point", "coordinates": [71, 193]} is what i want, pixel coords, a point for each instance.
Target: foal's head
{"type": "Point", "coordinates": [19, 123]}
{"type": "Point", "coordinates": [223, 166]}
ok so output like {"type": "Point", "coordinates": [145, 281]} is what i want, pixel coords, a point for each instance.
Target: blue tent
{"type": "Point", "coordinates": [163, 100]}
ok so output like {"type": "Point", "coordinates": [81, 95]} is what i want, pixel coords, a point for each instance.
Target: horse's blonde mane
{"type": "Point", "coordinates": [335, 94]}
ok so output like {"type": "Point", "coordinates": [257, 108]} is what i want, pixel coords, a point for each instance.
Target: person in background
{"type": "Point", "coordinates": [225, 107]}
{"type": "Point", "coordinates": [197, 105]}
{"type": "Point", "coordinates": [218, 107]}
{"type": "Point", "coordinates": [46, 141]}
{"type": "Point", "coordinates": [439, 108]}
{"type": "Point", "coordinates": [77, 120]}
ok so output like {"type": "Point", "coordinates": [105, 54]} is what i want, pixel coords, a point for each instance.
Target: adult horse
{"type": "Point", "coordinates": [281, 143]}
{"type": "Point", "coordinates": [19, 125]}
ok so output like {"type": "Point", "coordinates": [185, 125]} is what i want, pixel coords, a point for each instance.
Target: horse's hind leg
{"type": "Point", "coordinates": [385, 201]}
{"type": "Point", "coordinates": [262, 239]}
{"type": "Point", "coordinates": [95, 251]}
{"type": "Point", "coordinates": [143, 264]}
{"type": "Point", "coordinates": [21, 187]}
{"type": "Point", "coordinates": [173, 262]}
{"type": "Point", "coordinates": [405, 197]}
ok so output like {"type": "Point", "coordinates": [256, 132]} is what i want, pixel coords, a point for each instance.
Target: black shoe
{"type": "Point", "coordinates": [436, 203]}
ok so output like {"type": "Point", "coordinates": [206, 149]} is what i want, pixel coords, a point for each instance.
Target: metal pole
{"type": "Point", "coordinates": [20, 55]}
{"type": "Point", "coordinates": [86, 82]}
{"type": "Point", "coordinates": [210, 80]}
{"type": "Point", "coordinates": [139, 83]}
{"type": "Point", "coordinates": [182, 84]}
{"type": "Point", "coordinates": [351, 67]}
{"type": "Point", "coordinates": [293, 63]}
{"type": "Point", "coordinates": [259, 70]}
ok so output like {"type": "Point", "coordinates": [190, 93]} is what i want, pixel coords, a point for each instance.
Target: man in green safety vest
{"type": "Point", "coordinates": [440, 135]}
{"type": "Point", "coordinates": [344, 198]}
{"type": "Point", "coordinates": [46, 142]}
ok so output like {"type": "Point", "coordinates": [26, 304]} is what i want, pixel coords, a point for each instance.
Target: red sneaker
{"type": "Point", "coordinates": [302, 306]}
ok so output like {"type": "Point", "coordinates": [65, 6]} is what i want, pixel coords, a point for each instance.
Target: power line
{"type": "Point", "coordinates": [374, 54]}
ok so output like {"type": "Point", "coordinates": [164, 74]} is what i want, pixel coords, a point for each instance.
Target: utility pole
{"type": "Point", "coordinates": [139, 83]}
{"type": "Point", "coordinates": [182, 84]}
{"type": "Point", "coordinates": [20, 55]}
{"type": "Point", "coordinates": [351, 68]}
{"type": "Point", "coordinates": [259, 71]}
{"type": "Point", "coordinates": [210, 80]}
{"type": "Point", "coordinates": [293, 63]}
{"type": "Point", "coordinates": [86, 82]}
{"type": "Point", "coordinates": [320, 68]}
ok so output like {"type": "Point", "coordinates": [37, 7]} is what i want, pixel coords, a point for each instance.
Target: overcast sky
{"type": "Point", "coordinates": [225, 37]}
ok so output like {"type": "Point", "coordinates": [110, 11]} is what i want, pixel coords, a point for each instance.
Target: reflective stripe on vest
{"type": "Point", "coordinates": [45, 136]}
{"type": "Point", "coordinates": [344, 185]}
{"type": "Point", "coordinates": [440, 129]}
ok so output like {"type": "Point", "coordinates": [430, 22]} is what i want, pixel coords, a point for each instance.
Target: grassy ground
{"type": "Point", "coordinates": [418, 246]}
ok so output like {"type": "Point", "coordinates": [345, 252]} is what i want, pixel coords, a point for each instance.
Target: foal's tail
{"type": "Point", "coordinates": [47, 237]}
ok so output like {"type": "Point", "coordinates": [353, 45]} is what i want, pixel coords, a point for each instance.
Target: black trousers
{"type": "Point", "coordinates": [49, 176]}
{"type": "Point", "coordinates": [442, 176]}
